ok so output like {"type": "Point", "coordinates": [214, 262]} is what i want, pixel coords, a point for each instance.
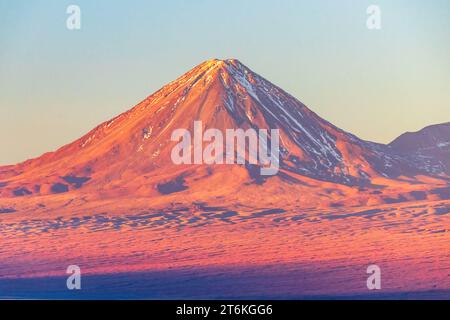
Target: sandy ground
{"type": "Point", "coordinates": [223, 252]}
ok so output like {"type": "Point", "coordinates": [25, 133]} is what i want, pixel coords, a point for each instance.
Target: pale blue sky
{"type": "Point", "coordinates": [56, 84]}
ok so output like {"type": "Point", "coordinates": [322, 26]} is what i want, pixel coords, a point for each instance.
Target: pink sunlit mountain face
{"type": "Point", "coordinates": [115, 203]}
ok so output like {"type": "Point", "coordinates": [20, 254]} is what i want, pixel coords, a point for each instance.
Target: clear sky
{"type": "Point", "coordinates": [57, 84]}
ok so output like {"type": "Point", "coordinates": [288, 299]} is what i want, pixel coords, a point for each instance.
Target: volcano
{"type": "Point", "coordinates": [114, 203]}
{"type": "Point", "coordinates": [130, 154]}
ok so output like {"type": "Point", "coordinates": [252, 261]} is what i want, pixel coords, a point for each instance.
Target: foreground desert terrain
{"type": "Point", "coordinates": [213, 251]}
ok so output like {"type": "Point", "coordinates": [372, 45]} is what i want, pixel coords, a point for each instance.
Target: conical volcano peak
{"type": "Point", "coordinates": [227, 76]}
{"type": "Point", "coordinates": [222, 62]}
{"type": "Point", "coordinates": [230, 66]}
{"type": "Point", "coordinates": [209, 69]}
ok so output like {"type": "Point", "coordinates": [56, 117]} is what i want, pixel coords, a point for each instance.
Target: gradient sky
{"type": "Point", "coordinates": [56, 84]}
